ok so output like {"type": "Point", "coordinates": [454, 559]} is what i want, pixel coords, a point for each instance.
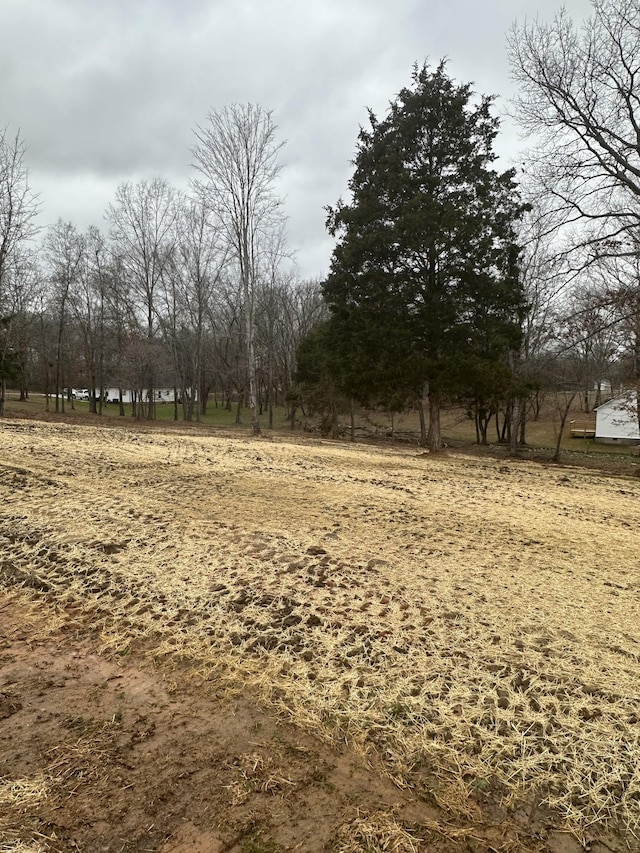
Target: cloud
{"type": "Point", "coordinates": [110, 91]}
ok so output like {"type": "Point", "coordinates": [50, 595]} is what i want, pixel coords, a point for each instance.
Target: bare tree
{"type": "Point", "coordinates": [18, 210]}
{"type": "Point", "coordinates": [593, 323]}
{"type": "Point", "coordinates": [188, 293]}
{"type": "Point", "coordinates": [619, 300]}
{"type": "Point", "coordinates": [18, 204]}
{"type": "Point", "coordinates": [301, 307]}
{"type": "Point", "coordinates": [23, 288]}
{"type": "Point", "coordinates": [236, 156]}
{"type": "Point", "coordinates": [272, 285]}
{"type": "Point", "coordinates": [120, 318]}
{"type": "Point", "coordinates": [142, 224]}
{"type": "Point", "coordinates": [87, 305]}
{"type": "Point", "coordinates": [580, 99]}
{"type": "Point", "coordinates": [544, 277]}
{"type": "Point", "coordinates": [65, 252]}
{"type": "Point", "coordinates": [226, 320]}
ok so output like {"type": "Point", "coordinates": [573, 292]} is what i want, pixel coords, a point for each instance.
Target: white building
{"type": "Point", "coordinates": [617, 420]}
{"type": "Point", "coordinates": [161, 395]}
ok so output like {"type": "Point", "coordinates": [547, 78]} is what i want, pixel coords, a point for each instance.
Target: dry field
{"type": "Point", "coordinates": [470, 625]}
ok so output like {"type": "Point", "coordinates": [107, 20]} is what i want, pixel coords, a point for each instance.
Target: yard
{"type": "Point", "coordinates": [461, 632]}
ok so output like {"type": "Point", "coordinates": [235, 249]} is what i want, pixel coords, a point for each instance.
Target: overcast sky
{"type": "Point", "coordinates": [106, 91]}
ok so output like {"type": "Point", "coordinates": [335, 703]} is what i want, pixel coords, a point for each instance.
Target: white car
{"type": "Point", "coordinates": [81, 393]}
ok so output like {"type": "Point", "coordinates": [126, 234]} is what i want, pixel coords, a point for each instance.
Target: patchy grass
{"type": "Point", "coordinates": [470, 623]}
{"type": "Point", "coordinates": [372, 426]}
{"type": "Point", "coordinates": [217, 415]}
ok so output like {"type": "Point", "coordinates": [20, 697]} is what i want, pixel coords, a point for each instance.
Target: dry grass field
{"type": "Point", "coordinates": [469, 626]}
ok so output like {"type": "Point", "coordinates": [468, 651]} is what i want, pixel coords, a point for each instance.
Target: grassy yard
{"type": "Point", "coordinates": [457, 428]}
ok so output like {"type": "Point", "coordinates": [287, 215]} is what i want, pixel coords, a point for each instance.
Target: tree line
{"type": "Point", "coordinates": [192, 291]}
{"type": "Point", "coordinates": [451, 281]}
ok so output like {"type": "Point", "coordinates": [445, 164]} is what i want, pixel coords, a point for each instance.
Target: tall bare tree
{"type": "Point", "coordinates": [272, 285]}
{"type": "Point", "coordinates": [18, 204]}
{"type": "Point", "coordinates": [88, 310]}
{"type": "Point", "coordinates": [65, 250]}
{"type": "Point", "coordinates": [142, 221]}
{"type": "Point", "coordinates": [18, 211]}
{"type": "Point", "coordinates": [237, 158]}
{"type": "Point", "coordinates": [545, 278]}
{"type": "Point", "coordinates": [189, 292]}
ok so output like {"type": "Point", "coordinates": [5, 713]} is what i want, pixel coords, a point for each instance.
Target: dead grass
{"type": "Point", "coordinates": [379, 831]}
{"type": "Point", "coordinates": [69, 767]}
{"type": "Point", "coordinates": [21, 847]}
{"type": "Point", "coordinates": [455, 617]}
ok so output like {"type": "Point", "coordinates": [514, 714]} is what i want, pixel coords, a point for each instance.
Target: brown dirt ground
{"type": "Point", "coordinates": [145, 760]}
{"type": "Point", "coordinates": [212, 643]}
{"type": "Point", "coordinates": [127, 757]}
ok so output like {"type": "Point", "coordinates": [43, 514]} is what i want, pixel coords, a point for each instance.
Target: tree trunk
{"type": "Point", "coordinates": [434, 437]}
{"type": "Point", "coordinates": [253, 396]}
{"type": "Point", "coordinates": [484, 426]}
{"type": "Point", "coordinates": [151, 408]}
{"type": "Point", "coordinates": [506, 427]}
{"type": "Point", "coordinates": [482, 421]}
{"type": "Point", "coordinates": [564, 412]}
{"type": "Point", "coordinates": [335, 431]}
{"type": "Point", "coordinates": [636, 357]}
{"type": "Point", "coordinates": [270, 381]}
{"type": "Point", "coordinates": [523, 423]}
{"type": "Point", "coordinates": [513, 442]}
{"type": "Point", "coordinates": [423, 424]}
{"type": "Point", "coordinates": [251, 356]}
{"type": "Point", "coordinates": [92, 395]}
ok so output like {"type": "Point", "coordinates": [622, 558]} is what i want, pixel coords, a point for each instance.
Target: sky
{"type": "Point", "coordinates": [107, 91]}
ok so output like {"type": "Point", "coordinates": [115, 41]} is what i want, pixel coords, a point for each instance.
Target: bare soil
{"type": "Point", "coordinates": [111, 754]}
{"type": "Point", "coordinates": [125, 757]}
{"type": "Point", "coordinates": [211, 643]}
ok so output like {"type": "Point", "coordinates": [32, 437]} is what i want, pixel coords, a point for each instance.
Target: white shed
{"type": "Point", "coordinates": [617, 420]}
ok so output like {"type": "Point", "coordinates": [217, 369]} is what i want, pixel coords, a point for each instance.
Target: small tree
{"type": "Point", "coordinates": [318, 377]}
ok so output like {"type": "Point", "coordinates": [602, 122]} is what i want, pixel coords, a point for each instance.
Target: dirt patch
{"type": "Point", "coordinates": [104, 755]}
{"type": "Point", "coordinates": [101, 754]}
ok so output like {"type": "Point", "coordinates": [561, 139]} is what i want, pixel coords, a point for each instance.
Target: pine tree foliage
{"type": "Point", "coordinates": [424, 277]}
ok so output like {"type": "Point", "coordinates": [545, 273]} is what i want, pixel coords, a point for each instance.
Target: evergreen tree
{"type": "Point", "coordinates": [318, 377]}
{"type": "Point", "coordinates": [425, 270]}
